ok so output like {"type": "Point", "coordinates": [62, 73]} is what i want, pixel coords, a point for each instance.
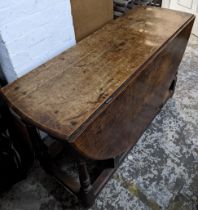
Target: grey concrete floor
{"type": "Point", "coordinates": [161, 172]}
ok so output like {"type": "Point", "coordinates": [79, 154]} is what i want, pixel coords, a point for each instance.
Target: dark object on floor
{"type": "Point", "coordinates": [15, 155]}
{"type": "Point", "coordinates": [10, 164]}
{"type": "Point", "coordinates": [98, 102]}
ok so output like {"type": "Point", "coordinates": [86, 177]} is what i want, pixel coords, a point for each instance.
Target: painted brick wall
{"type": "Point", "coordinates": [32, 32]}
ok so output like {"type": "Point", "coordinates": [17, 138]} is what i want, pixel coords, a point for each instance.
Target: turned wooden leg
{"type": "Point", "coordinates": [40, 148]}
{"type": "Point", "coordinates": [86, 193]}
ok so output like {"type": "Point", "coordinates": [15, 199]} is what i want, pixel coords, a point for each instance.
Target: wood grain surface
{"type": "Point", "coordinates": [67, 94]}
{"type": "Point", "coordinates": [120, 126]}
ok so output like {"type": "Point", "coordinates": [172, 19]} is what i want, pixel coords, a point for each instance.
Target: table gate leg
{"type": "Point", "coordinates": [86, 190]}
{"type": "Point", "coordinates": [40, 148]}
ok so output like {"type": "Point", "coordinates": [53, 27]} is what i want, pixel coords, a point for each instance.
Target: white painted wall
{"type": "Point", "coordinates": [32, 32]}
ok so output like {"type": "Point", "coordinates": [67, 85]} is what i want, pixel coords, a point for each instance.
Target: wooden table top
{"type": "Point", "coordinates": [63, 96]}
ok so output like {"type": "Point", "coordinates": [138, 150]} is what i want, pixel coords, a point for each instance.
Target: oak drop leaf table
{"type": "Point", "coordinates": [98, 97]}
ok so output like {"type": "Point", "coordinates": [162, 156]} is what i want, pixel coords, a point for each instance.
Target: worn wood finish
{"type": "Point", "coordinates": [101, 94]}
{"type": "Point", "coordinates": [123, 122]}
